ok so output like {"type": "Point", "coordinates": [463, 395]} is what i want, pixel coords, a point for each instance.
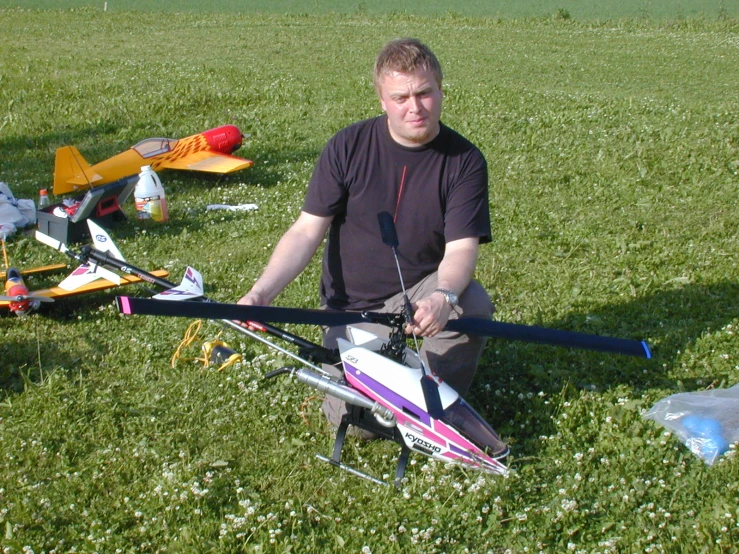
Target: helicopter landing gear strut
{"type": "Point", "coordinates": [361, 418]}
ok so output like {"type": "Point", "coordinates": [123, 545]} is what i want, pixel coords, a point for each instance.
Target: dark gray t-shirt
{"type": "Point", "coordinates": [436, 193]}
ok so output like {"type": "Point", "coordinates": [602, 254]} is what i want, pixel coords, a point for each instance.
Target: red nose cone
{"type": "Point", "coordinates": [17, 290]}
{"type": "Point", "coordinates": [22, 306]}
{"type": "Point", "coordinates": [225, 139]}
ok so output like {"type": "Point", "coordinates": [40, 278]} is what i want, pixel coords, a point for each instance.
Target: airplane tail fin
{"type": "Point", "coordinates": [85, 273]}
{"type": "Point", "coordinates": [69, 166]}
{"type": "Point", "coordinates": [189, 288]}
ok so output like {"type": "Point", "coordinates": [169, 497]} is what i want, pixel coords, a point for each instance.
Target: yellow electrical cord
{"type": "Point", "coordinates": [214, 351]}
{"type": "Point", "coordinates": [190, 335]}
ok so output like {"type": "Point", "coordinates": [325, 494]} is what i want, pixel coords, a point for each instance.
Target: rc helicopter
{"type": "Point", "coordinates": [386, 385]}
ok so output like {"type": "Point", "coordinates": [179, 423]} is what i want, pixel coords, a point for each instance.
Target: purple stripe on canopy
{"type": "Point", "coordinates": [403, 403]}
{"type": "Point", "coordinates": [461, 451]}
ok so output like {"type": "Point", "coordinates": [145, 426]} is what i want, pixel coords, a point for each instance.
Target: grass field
{"type": "Point", "coordinates": [613, 149]}
{"type": "Point", "coordinates": [576, 9]}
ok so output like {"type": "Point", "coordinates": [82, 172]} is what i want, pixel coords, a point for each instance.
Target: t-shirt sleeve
{"type": "Point", "coordinates": [467, 209]}
{"type": "Point", "coordinates": [326, 194]}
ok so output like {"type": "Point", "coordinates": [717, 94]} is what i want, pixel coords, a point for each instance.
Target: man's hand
{"type": "Point", "coordinates": [430, 316]}
{"type": "Point", "coordinates": [455, 272]}
{"type": "Point", "coordinates": [251, 298]}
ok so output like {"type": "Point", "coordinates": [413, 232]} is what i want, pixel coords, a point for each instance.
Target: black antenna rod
{"type": "Point", "coordinates": [428, 385]}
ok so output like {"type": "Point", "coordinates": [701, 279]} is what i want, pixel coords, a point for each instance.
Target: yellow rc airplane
{"type": "Point", "coordinates": [209, 151]}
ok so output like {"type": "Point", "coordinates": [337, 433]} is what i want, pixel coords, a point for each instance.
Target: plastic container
{"type": "Point", "coordinates": [43, 199]}
{"type": "Point", "coordinates": [149, 196]}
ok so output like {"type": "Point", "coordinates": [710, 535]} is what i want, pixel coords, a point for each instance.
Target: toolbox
{"type": "Point", "coordinates": [103, 204]}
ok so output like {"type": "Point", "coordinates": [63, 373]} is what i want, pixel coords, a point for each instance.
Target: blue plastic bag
{"type": "Point", "coordinates": [707, 422]}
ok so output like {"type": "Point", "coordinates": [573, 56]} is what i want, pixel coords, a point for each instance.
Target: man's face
{"type": "Point", "coordinates": [412, 102]}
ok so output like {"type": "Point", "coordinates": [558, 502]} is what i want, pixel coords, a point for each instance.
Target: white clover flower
{"type": "Point", "coordinates": [569, 505]}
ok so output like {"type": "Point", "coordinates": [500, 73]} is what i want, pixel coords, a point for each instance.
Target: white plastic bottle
{"type": "Point", "coordinates": [149, 196]}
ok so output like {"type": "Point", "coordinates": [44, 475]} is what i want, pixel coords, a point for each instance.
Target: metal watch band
{"type": "Point", "coordinates": [449, 296]}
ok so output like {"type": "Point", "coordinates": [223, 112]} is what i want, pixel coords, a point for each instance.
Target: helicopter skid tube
{"type": "Point", "coordinates": [351, 470]}
{"type": "Point", "coordinates": [327, 385]}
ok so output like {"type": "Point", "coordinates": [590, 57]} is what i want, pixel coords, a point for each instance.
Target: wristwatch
{"type": "Point", "coordinates": [449, 296]}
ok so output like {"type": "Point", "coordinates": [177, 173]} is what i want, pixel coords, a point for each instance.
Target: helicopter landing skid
{"type": "Point", "coordinates": [363, 419]}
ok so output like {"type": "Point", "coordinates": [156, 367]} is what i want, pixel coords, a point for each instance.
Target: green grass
{"type": "Point", "coordinates": [613, 154]}
{"type": "Point", "coordinates": [561, 9]}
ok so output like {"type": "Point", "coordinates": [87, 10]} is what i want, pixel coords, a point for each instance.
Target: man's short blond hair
{"type": "Point", "coordinates": [405, 55]}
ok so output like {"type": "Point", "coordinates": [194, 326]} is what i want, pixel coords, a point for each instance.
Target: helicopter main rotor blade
{"type": "Point", "coordinates": [512, 331]}
{"type": "Point", "coordinates": [216, 310]}
{"type": "Point", "coordinates": [529, 333]}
